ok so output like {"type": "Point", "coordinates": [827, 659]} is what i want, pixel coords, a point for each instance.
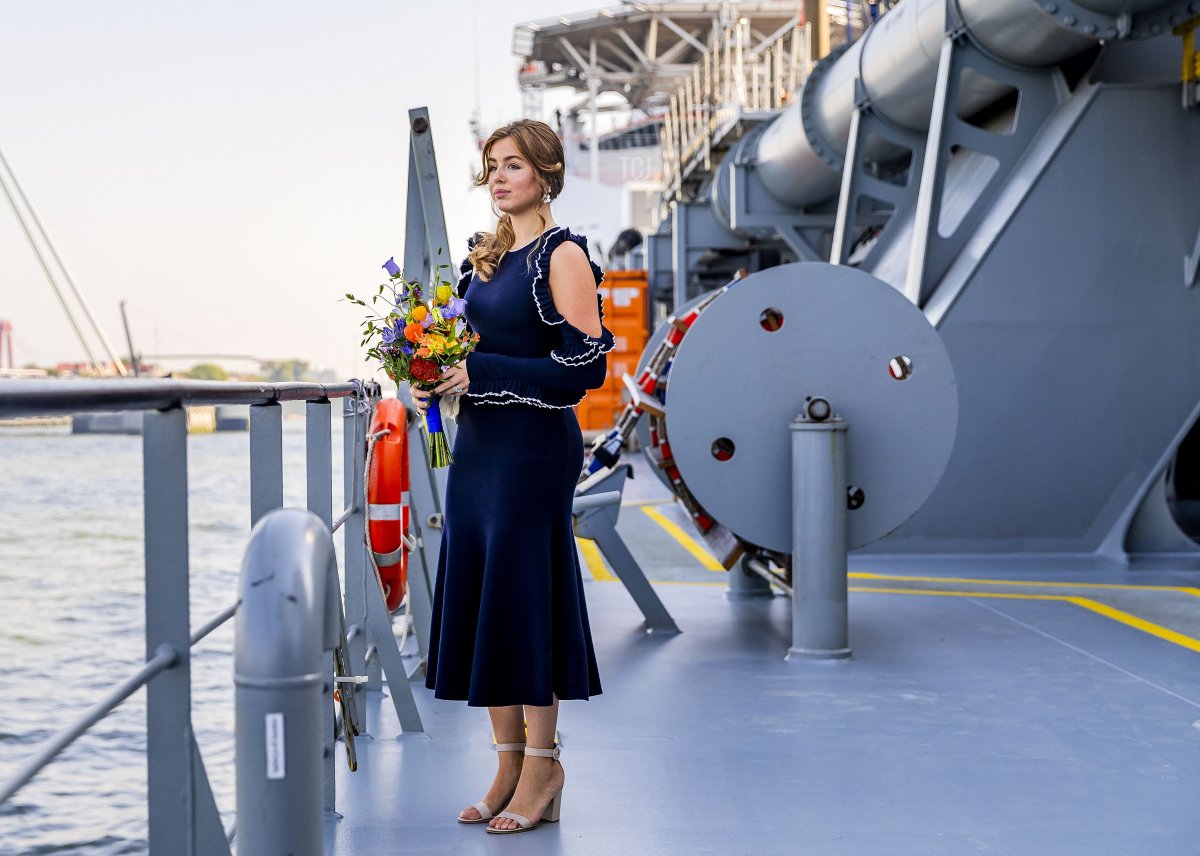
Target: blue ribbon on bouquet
{"type": "Point", "coordinates": [433, 415]}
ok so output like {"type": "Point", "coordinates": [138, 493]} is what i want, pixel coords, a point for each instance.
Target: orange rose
{"type": "Point", "coordinates": [413, 331]}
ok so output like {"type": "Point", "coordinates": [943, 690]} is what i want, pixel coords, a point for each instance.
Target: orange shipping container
{"type": "Point", "coordinates": [626, 314]}
{"type": "Point", "coordinates": [599, 409]}
{"type": "Point", "coordinates": [620, 364]}
{"type": "Point", "coordinates": [624, 295]}
{"type": "Point", "coordinates": [630, 337]}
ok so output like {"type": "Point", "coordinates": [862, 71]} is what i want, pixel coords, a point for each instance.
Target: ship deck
{"type": "Point", "coordinates": [1038, 710]}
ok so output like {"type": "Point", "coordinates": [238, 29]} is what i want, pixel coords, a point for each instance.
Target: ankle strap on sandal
{"type": "Point", "coordinates": [510, 747]}
{"type": "Point", "coordinates": [543, 753]}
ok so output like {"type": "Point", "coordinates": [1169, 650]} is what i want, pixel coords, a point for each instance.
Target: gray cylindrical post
{"type": "Point", "coordinates": [283, 633]}
{"type": "Point", "coordinates": [744, 585]}
{"type": "Point", "coordinates": [819, 612]}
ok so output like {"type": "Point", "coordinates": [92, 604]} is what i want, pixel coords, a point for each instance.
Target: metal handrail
{"type": "Point", "coordinates": [215, 622]}
{"type": "Point", "coordinates": [732, 78]}
{"type": "Point", "coordinates": [192, 826]}
{"type": "Point", "coordinates": [164, 658]}
{"type": "Point", "coordinates": [50, 397]}
{"type": "Point", "coordinates": [736, 79]}
{"type": "Point", "coordinates": [337, 524]}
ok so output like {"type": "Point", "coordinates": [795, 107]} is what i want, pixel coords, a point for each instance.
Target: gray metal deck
{"type": "Point", "coordinates": [977, 716]}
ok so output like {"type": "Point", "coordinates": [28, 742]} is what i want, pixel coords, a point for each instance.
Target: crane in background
{"type": "Point", "coordinates": [6, 345]}
{"type": "Point", "coordinates": [50, 260]}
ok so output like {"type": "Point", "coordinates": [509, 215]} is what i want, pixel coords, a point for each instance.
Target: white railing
{"type": "Point", "coordinates": [736, 76]}
{"type": "Point", "coordinates": [733, 77]}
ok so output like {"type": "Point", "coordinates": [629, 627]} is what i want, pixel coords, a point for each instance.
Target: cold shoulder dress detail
{"type": "Point", "coordinates": [510, 623]}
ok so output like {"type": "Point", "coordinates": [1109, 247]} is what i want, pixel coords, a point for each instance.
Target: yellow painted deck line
{"type": "Point", "coordinates": [706, 558]}
{"type": "Point", "coordinates": [612, 579]}
{"type": "Point", "coordinates": [689, 543]}
{"type": "Point", "coordinates": [1126, 618]}
{"type": "Point", "coordinates": [1138, 623]}
{"type": "Point", "coordinates": [1195, 592]}
{"type": "Point", "coordinates": [1118, 615]}
{"type": "Point", "coordinates": [936, 593]}
{"type": "Point", "coordinates": [595, 562]}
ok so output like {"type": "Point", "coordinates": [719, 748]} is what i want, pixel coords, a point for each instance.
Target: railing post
{"type": "Point", "coordinates": [183, 817]}
{"type": "Point", "coordinates": [266, 459]}
{"type": "Point", "coordinates": [319, 459]}
{"type": "Point", "coordinates": [726, 70]}
{"type": "Point", "coordinates": [168, 696]}
{"type": "Point", "coordinates": [354, 430]}
{"type": "Point", "coordinates": [426, 502]}
{"type": "Point", "coordinates": [318, 470]}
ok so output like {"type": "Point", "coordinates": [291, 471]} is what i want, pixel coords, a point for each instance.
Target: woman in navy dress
{"type": "Point", "coordinates": [510, 625]}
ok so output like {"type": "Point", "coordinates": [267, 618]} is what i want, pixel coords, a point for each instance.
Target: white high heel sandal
{"type": "Point", "coordinates": [485, 814]}
{"type": "Point", "coordinates": [550, 815]}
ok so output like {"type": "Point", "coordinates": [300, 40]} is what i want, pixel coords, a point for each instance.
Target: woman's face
{"type": "Point", "coordinates": [511, 179]}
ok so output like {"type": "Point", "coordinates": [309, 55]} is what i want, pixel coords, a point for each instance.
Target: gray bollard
{"type": "Point", "coordinates": [285, 628]}
{"type": "Point", "coordinates": [819, 611]}
{"type": "Point", "coordinates": [746, 585]}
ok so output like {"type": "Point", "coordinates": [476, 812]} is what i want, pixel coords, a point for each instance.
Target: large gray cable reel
{"type": "Point", "coordinates": [759, 353]}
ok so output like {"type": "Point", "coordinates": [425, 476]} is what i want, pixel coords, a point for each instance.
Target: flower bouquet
{"type": "Point", "coordinates": [415, 338]}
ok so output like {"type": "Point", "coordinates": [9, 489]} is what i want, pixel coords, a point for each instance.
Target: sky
{"type": "Point", "coordinates": [231, 169]}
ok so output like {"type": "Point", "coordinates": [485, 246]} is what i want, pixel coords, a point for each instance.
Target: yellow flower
{"type": "Point", "coordinates": [444, 293]}
{"type": "Point", "coordinates": [419, 313]}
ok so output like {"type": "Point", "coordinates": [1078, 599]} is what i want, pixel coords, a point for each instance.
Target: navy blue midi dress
{"type": "Point", "coordinates": [510, 624]}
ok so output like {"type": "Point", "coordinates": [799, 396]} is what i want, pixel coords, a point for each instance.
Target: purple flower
{"type": "Point", "coordinates": [393, 332]}
{"type": "Point", "coordinates": [454, 308]}
{"type": "Point", "coordinates": [407, 348]}
{"type": "Point", "coordinates": [391, 267]}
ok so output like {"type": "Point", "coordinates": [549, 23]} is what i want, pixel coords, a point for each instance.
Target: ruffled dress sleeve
{"type": "Point", "coordinates": [465, 271]}
{"type": "Point", "coordinates": [574, 366]}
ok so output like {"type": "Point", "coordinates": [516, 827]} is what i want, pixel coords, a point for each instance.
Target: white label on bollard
{"type": "Point", "coordinates": [276, 754]}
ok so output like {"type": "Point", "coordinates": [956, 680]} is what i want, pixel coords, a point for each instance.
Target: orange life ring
{"type": "Point", "coordinates": [387, 496]}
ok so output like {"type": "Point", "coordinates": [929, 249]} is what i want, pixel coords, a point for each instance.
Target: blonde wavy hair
{"type": "Point", "coordinates": [541, 147]}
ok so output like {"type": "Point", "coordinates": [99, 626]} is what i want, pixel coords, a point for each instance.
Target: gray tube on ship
{"type": "Point", "coordinates": [799, 156]}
